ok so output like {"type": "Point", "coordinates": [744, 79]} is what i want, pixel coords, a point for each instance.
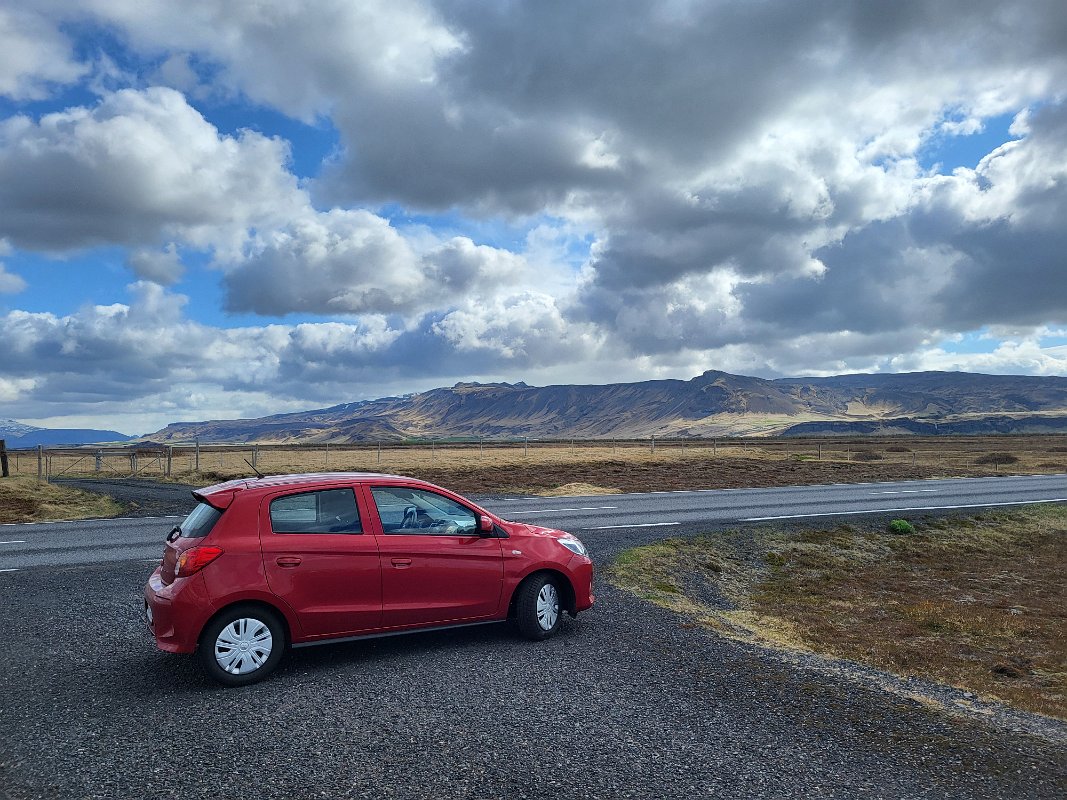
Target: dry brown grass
{"type": "Point", "coordinates": [26, 500]}
{"type": "Point", "coordinates": [977, 602]}
{"type": "Point", "coordinates": [541, 467]}
{"type": "Point", "coordinates": [578, 490]}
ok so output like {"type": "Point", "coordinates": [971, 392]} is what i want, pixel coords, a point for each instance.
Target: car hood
{"type": "Point", "coordinates": [523, 529]}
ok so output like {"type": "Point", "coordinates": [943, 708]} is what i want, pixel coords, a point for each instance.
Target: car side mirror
{"type": "Point", "coordinates": [485, 525]}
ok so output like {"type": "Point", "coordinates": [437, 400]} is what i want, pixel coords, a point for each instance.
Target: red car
{"type": "Point", "coordinates": [296, 560]}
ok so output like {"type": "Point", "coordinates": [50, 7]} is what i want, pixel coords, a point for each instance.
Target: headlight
{"type": "Point", "coordinates": [573, 544]}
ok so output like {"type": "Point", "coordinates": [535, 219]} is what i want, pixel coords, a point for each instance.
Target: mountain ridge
{"type": "Point", "coordinates": [714, 403]}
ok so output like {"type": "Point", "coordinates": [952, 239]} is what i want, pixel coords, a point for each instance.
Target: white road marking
{"type": "Point", "coordinates": [15, 541]}
{"type": "Point", "coordinates": [91, 519]}
{"type": "Point", "coordinates": [555, 510]}
{"type": "Point", "coordinates": [888, 510]}
{"type": "Point", "coordinates": [906, 491]}
{"type": "Point", "coordinates": [636, 525]}
{"type": "Point", "coordinates": [8, 570]}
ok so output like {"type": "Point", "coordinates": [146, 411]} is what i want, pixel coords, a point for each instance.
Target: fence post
{"type": "Point", "coordinates": [525, 446]}
{"type": "Point", "coordinates": [255, 455]}
{"type": "Point", "coordinates": [714, 448]}
{"type": "Point", "coordinates": [99, 460]}
{"type": "Point", "coordinates": [613, 444]}
{"type": "Point", "coordinates": [3, 459]}
{"type": "Point", "coordinates": [379, 451]}
{"type": "Point", "coordinates": [327, 454]}
{"type": "Point", "coordinates": [653, 448]}
{"type": "Point", "coordinates": [820, 451]}
{"type": "Point", "coordinates": [196, 457]}
{"type": "Point", "coordinates": [170, 459]}
{"type": "Point", "coordinates": [433, 449]}
{"type": "Point", "coordinates": [40, 462]}
{"type": "Point", "coordinates": [133, 463]}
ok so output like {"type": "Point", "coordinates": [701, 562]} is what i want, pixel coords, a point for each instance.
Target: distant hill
{"type": "Point", "coordinates": [10, 428]}
{"type": "Point", "coordinates": [19, 435]}
{"type": "Point", "coordinates": [712, 404]}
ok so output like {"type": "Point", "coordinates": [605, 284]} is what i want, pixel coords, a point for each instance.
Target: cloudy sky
{"type": "Point", "coordinates": [214, 209]}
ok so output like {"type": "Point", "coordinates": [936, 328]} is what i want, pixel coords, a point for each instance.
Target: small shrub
{"type": "Point", "coordinates": [996, 458]}
{"type": "Point", "coordinates": [774, 558]}
{"type": "Point", "coordinates": [901, 527]}
{"type": "Point", "coordinates": [898, 448]}
{"type": "Point", "coordinates": [866, 455]}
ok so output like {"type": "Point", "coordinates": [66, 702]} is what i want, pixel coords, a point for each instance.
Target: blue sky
{"type": "Point", "coordinates": [224, 210]}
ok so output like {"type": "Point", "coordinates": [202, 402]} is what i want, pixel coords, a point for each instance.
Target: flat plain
{"type": "Point", "coordinates": [538, 467]}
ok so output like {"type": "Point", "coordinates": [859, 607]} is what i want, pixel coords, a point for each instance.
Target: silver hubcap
{"type": "Point", "coordinates": [243, 646]}
{"type": "Point", "coordinates": [547, 607]}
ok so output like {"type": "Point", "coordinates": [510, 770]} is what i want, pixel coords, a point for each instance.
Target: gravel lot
{"type": "Point", "coordinates": [626, 702]}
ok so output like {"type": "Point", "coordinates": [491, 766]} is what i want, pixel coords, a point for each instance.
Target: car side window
{"type": "Point", "coordinates": [324, 511]}
{"type": "Point", "coordinates": [420, 512]}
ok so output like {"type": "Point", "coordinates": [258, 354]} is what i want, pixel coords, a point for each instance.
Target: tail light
{"type": "Point", "coordinates": [195, 559]}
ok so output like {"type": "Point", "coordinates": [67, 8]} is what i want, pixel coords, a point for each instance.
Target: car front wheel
{"type": "Point", "coordinates": [241, 646]}
{"type": "Point", "coordinates": [537, 607]}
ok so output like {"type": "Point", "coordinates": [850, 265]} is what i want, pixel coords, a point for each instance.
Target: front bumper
{"type": "Point", "coordinates": [581, 574]}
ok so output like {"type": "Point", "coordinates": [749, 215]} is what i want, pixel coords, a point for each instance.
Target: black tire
{"type": "Point", "coordinates": [537, 607]}
{"type": "Point", "coordinates": [254, 626]}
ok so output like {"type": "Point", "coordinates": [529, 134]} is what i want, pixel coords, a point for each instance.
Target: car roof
{"type": "Point", "coordinates": [220, 495]}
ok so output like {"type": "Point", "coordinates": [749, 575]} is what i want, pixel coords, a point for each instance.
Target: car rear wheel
{"type": "Point", "coordinates": [537, 607]}
{"type": "Point", "coordinates": [242, 645]}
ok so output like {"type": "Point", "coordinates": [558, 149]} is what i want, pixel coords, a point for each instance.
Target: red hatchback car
{"type": "Point", "coordinates": [296, 560]}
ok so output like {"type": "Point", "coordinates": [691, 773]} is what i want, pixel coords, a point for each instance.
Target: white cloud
{"type": "Point", "coordinates": [527, 328]}
{"type": "Point", "coordinates": [139, 167]}
{"type": "Point", "coordinates": [354, 262]}
{"type": "Point", "coordinates": [10, 283]}
{"type": "Point", "coordinates": [1014, 357]}
{"type": "Point", "coordinates": [161, 266]}
{"type": "Point", "coordinates": [34, 54]}
{"type": "Point", "coordinates": [301, 60]}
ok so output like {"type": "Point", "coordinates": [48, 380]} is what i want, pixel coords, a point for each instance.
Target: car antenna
{"type": "Point", "coordinates": [253, 466]}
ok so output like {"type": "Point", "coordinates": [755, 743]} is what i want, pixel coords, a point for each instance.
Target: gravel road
{"type": "Point", "coordinates": [628, 702]}
{"type": "Point", "coordinates": [142, 498]}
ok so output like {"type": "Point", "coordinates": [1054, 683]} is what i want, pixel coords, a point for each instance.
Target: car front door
{"type": "Point", "coordinates": [318, 558]}
{"type": "Point", "coordinates": [436, 568]}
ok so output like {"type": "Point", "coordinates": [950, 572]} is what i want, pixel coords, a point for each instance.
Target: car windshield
{"type": "Point", "coordinates": [200, 522]}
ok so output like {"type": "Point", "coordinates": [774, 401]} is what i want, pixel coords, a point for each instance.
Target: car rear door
{"type": "Point", "coordinates": [436, 568]}
{"type": "Point", "coordinates": [319, 559]}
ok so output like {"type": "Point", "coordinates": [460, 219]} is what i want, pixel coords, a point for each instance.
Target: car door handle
{"type": "Point", "coordinates": [401, 563]}
{"type": "Point", "coordinates": [289, 561]}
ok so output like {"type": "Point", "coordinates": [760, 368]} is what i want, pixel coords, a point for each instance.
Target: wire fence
{"type": "Point", "coordinates": [949, 455]}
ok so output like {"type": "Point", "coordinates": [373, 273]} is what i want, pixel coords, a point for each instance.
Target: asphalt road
{"type": "Point", "coordinates": [629, 701]}
{"type": "Point", "coordinates": [597, 519]}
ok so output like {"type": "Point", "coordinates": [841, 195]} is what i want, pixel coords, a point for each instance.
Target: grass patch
{"type": "Point", "coordinates": [577, 490]}
{"type": "Point", "coordinates": [976, 601]}
{"type": "Point", "coordinates": [997, 458]}
{"type": "Point", "coordinates": [26, 500]}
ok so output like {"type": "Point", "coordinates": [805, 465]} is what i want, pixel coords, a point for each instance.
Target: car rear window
{"type": "Point", "coordinates": [324, 511]}
{"type": "Point", "coordinates": [200, 522]}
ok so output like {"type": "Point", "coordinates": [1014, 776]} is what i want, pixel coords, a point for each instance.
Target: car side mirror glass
{"type": "Point", "coordinates": [485, 524]}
